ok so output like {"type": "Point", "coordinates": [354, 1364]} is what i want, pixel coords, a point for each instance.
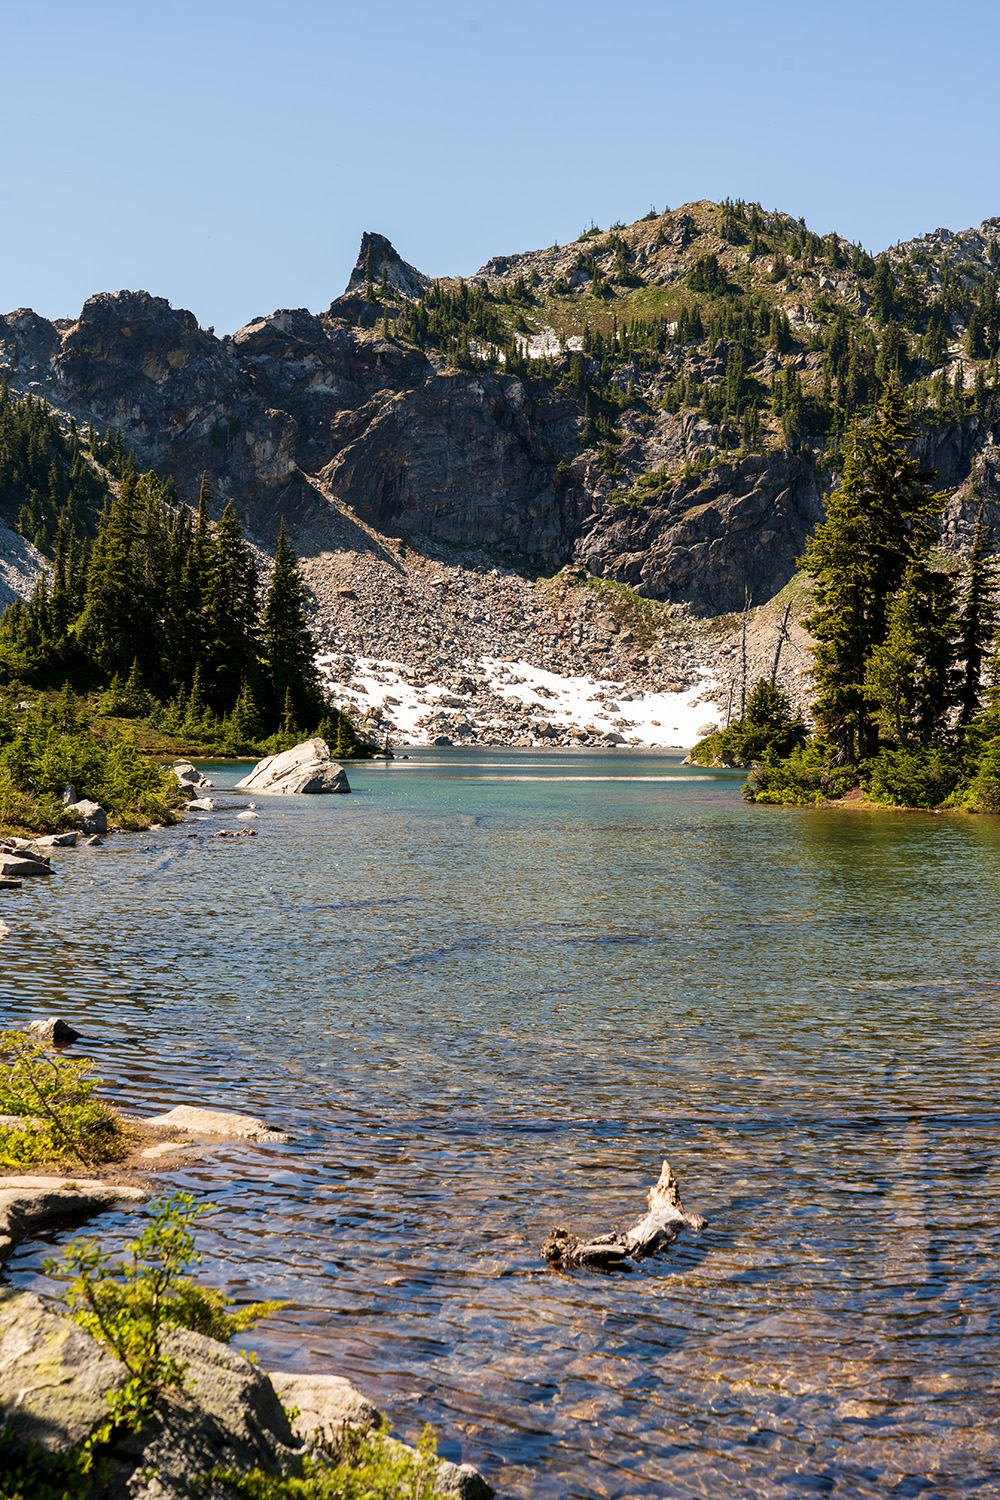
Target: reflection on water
{"type": "Point", "coordinates": [488, 993]}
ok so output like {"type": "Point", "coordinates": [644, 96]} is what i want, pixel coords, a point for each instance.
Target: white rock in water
{"type": "Point", "coordinates": [216, 1122]}
{"type": "Point", "coordinates": [201, 804]}
{"type": "Point", "coordinates": [243, 816]}
{"type": "Point", "coordinates": [306, 768]}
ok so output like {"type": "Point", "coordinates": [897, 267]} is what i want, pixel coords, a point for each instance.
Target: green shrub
{"type": "Point", "coordinates": [983, 791]}
{"type": "Point", "coordinates": [767, 730]}
{"type": "Point", "coordinates": [808, 775]}
{"type": "Point", "coordinates": [921, 776]}
{"type": "Point", "coordinates": [51, 745]}
{"type": "Point", "coordinates": [357, 1464]}
{"type": "Point", "coordinates": [57, 1095]}
{"type": "Point", "coordinates": [128, 1304]}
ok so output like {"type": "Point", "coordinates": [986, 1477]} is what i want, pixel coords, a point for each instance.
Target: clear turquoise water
{"type": "Point", "coordinates": [488, 993]}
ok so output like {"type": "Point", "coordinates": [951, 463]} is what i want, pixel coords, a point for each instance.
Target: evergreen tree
{"type": "Point", "coordinates": [115, 620]}
{"type": "Point", "coordinates": [288, 653]}
{"type": "Point", "coordinates": [230, 626]}
{"type": "Point", "coordinates": [909, 677]}
{"type": "Point", "coordinates": [881, 520]}
{"type": "Point", "coordinates": [976, 621]}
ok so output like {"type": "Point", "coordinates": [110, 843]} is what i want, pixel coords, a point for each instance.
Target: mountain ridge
{"type": "Point", "coordinates": [662, 401]}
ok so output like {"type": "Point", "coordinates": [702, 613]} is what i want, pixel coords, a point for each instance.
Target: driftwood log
{"type": "Point", "coordinates": [613, 1252]}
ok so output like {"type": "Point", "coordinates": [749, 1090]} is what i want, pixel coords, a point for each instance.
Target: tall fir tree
{"type": "Point", "coordinates": [230, 633]}
{"type": "Point", "coordinates": [977, 621]}
{"type": "Point", "coordinates": [881, 520]}
{"type": "Point", "coordinates": [288, 653]}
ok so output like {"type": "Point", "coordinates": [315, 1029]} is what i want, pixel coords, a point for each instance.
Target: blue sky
{"type": "Point", "coordinates": [229, 155]}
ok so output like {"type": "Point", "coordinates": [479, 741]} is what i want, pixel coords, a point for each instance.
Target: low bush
{"type": "Point", "coordinates": [52, 744]}
{"type": "Point", "coordinates": [921, 776]}
{"type": "Point", "coordinates": [356, 1464]}
{"type": "Point", "coordinates": [808, 775]}
{"type": "Point", "coordinates": [128, 1303]}
{"type": "Point", "coordinates": [56, 1094]}
{"type": "Point", "coordinates": [983, 791]}
{"type": "Point", "coordinates": [768, 729]}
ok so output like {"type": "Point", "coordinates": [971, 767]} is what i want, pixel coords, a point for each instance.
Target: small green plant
{"type": "Point", "coordinates": [43, 1476]}
{"type": "Point", "coordinates": [128, 1305]}
{"type": "Point", "coordinates": [55, 1097]}
{"type": "Point", "coordinates": [356, 1463]}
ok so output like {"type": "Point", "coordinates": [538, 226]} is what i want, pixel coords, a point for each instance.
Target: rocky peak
{"type": "Point", "coordinates": [377, 256]}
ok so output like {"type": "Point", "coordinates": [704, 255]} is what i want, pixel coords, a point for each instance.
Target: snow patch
{"type": "Point", "coordinates": [600, 705]}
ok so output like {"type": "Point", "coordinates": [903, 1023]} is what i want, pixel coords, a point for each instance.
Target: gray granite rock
{"type": "Point", "coordinates": [216, 1122]}
{"type": "Point", "coordinates": [95, 819]}
{"type": "Point", "coordinates": [29, 1203]}
{"type": "Point", "coordinates": [53, 1030]}
{"type": "Point", "coordinates": [323, 1401]}
{"type": "Point", "coordinates": [305, 768]}
{"type": "Point", "coordinates": [14, 867]}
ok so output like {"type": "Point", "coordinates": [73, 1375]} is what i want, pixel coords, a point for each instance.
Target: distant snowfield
{"type": "Point", "coordinates": [566, 703]}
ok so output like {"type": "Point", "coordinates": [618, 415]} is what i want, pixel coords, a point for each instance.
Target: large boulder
{"type": "Point", "coordinates": [306, 768]}
{"type": "Point", "coordinates": [95, 819]}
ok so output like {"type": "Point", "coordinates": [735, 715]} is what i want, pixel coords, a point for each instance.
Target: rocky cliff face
{"type": "Point", "coordinates": [298, 410]}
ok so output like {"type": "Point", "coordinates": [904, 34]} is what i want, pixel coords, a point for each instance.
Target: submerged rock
{"type": "Point", "coordinates": [305, 768]}
{"type": "Point", "coordinates": [216, 1122]}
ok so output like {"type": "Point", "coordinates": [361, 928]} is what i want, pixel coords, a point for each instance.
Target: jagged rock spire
{"type": "Point", "coordinates": [377, 255]}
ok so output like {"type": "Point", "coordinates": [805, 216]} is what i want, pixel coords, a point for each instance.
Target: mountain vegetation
{"type": "Point", "coordinates": [777, 337]}
{"type": "Point", "coordinates": [152, 612]}
{"type": "Point", "coordinates": [905, 662]}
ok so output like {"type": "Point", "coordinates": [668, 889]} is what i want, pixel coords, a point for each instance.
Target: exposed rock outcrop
{"type": "Point", "coordinates": [377, 259]}
{"type": "Point", "coordinates": [322, 418]}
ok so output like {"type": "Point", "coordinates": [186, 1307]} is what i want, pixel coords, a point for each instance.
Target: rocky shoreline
{"type": "Point", "coordinates": [55, 1379]}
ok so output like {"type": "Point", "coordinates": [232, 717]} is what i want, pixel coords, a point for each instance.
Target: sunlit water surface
{"type": "Point", "coordinates": [487, 994]}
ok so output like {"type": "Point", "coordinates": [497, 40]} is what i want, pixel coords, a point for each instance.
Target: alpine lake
{"type": "Point", "coordinates": [487, 994]}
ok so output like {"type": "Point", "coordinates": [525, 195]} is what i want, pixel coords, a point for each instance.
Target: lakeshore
{"type": "Point", "coordinates": [485, 995]}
